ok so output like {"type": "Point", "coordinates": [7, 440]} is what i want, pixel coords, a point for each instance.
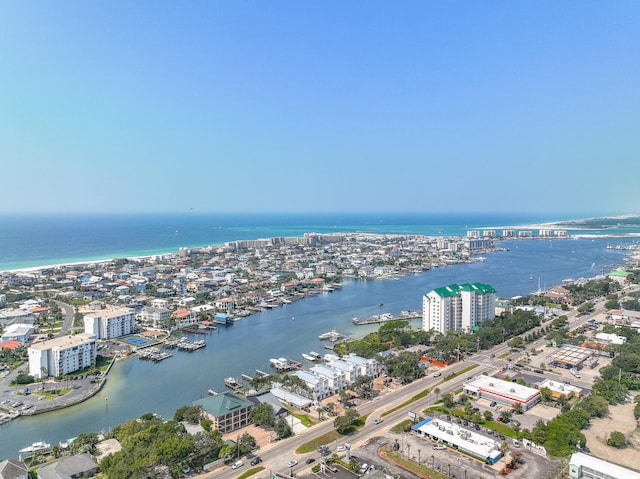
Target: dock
{"type": "Point", "coordinates": [153, 354]}
{"type": "Point", "coordinates": [194, 331]}
{"type": "Point", "coordinates": [284, 364]}
{"type": "Point", "coordinates": [385, 317]}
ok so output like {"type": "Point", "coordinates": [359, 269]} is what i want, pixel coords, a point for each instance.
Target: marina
{"type": "Point", "coordinates": [153, 354]}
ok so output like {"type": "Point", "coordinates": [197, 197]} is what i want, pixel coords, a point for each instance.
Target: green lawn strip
{"type": "Point", "coordinates": [304, 419]}
{"type": "Point", "coordinates": [325, 439]}
{"type": "Point", "coordinates": [418, 396]}
{"type": "Point", "coordinates": [449, 377]}
{"type": "Point", "coordinates": [251, 472]}
{"type": "Point", "coordinates": [52, 393]}
{"type": "Point", "coordinates": [504, 355]}
{"type": "Point", "coordinates": [328, 438]}
{"type": "Point", "coordinates": [419, 469]}
{"type": "Point", "coordinates": [501, 428]}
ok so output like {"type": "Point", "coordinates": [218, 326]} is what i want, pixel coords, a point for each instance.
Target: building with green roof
{"type": "Point", "coordinates": [228, 411]}
{"type": "Point", "coordinates": [458, 307]}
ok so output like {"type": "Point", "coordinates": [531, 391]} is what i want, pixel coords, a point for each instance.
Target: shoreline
{"type": "Point", "coordinates": [147, 257]}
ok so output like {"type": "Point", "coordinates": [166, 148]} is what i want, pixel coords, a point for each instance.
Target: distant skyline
{"type": "Point", "coordinates": [293, 107]}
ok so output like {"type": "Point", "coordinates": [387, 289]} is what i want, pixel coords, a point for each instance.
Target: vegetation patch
{"type": "Point", "coordinates": [419, 469]}
{"type": "Point", "coordinates": [401, 426]}
{"type": "Point", "coordinates": [251, 472]}
{"type": "Point", "coordinates": [51, 393]}
{"type": "Point", "coordinates": [327, 438]}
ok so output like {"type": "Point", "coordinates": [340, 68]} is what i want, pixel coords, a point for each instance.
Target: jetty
{"type": "Point", "coordinates": [385, 317]}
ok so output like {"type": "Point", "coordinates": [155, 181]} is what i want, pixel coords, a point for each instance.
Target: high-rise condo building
{"type": "Point", "coordinates": [457, 307]}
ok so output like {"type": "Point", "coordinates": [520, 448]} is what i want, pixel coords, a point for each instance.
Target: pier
{"type": "Point", "coordinates": [385, 317]}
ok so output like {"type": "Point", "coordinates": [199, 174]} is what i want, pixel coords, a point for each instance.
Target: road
{"type": "Point", "coordinates": [275, 456]}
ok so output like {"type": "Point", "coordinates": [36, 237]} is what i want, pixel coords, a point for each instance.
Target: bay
{"type": "Point", "coordinates": [135, 387]}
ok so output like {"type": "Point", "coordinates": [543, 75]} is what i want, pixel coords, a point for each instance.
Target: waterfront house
{"type": "Point", "coordinates": [335, 379]}
{"type": "Point", "coordinates": [13, 469]}
{"type": "Point", "coordinates": [72, 467]}
{"type": "Point", "coordinates": [266, 397]}
{"type": "Point", "coordinates": [367, 367]}
{"type": "Point", "coordinates": [227, 410]}
{"type": "Point", "coordinates": [318, 385]}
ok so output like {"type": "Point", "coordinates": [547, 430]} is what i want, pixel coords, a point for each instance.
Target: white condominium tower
{"type": "Point", "coordinates": [457, 307]}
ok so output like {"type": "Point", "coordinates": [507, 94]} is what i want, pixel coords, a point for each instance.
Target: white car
{"type": "Point", "coordinates": [292, 463]}
{"type": "Point", "coordinates": [377, 420]}
{"type": "Point", "coordinates": [439, 447]}
{"type": "Point", "coordinates": [340, 448]}
{"type": "Point", "coordinates": [437, 375]}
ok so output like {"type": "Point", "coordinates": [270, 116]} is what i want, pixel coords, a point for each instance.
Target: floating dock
{"type": "Point", "coordinates": [385, 317]}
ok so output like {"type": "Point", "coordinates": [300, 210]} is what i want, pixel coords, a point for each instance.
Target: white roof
{"type": "Point", "coordinates": [460, 436]}
{"type": "Point", "coordinates": [503, 388]}
{"type": "Point", "coordinates": [613, 470]}
{"type": "Point", "coordinates": [557, 386]}
{"type": "Point", "coordinates": [291, 398]}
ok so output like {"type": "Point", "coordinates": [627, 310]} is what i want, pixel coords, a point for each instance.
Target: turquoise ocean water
{"type": "Point", "coordinates": [135, 387]}
{"type": "Point", "coordinates": [41, 240]}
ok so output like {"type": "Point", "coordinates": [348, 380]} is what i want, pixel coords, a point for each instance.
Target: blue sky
{"type": "Point", "coordinates": [289, 106]}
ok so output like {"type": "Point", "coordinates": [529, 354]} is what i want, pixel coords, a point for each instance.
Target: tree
{"type": "Point", "coordinates": [246, 444]}
{"type": "Point", "coordinates": [505, 416]}
{"type": "Point", "coordinates": [448, 401]}
{"type": "Point", "coordinates": [263, 415]}
{"type": "Point", "coordinates": [518, 409]}
{"type": "Point", "coordinates": [344, 396]}
{"type": "Point", "coordinates": [488, 415]}
{"type": "Point", "coordinates": [283, 429]}
{"type": "Point", "coordinates": [347, 421]}
{"type": "Point", "coordinates": [546, 394]}
{"type": "Point", "coordinates": [190, 414]}
{"type": "Point", "coordinates": [363, 387]}
{"type": "Point", "coordinates": [617, 439]}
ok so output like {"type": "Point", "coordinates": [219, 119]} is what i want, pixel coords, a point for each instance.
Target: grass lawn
{"type": "Point", "coordinates": [251, 472]}
{"type": "Point", "coordinates": [52, 393]}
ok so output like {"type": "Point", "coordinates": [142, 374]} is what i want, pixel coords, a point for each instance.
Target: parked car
{"type": "Point", "coordinates": [439, 447]}
{"type": "Point", "coordinates": [438, 374]}
{"type": "Point", "coordinates": [237, 464]}
{"type": "Point", "coordinates": [493, 403]}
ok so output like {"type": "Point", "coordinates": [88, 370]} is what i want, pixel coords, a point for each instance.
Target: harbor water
{"type": "Point", "coordinates": [135, 386]}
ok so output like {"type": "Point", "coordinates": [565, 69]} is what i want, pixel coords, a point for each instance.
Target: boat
{"type": "Point", "coordinates": [39, 446]}
{"type": "Point", "coordinates": [332, 335]}
{"type": "Point", "coordinates": [284, 364]}
{"type": "Point", "coordinates": [312, 356]}
{"type": "Point", "coordinates": [232, 384]}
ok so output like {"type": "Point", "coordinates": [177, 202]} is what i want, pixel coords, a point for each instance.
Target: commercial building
{"type": "Point", "coordinates": [457, 307]}
{"type": "Point", "coordinates": [559, 389]}
{"type": "Point", "coordinates": [573, 357]}
{"type": "Point", "coordinates": [460, 438]}
{"type": "Point", "coordinates": [588, 467]}
{"type": "Point", "coordinates": [506, 393]}
{"type": "Point", "coordinates": [109, 324]}
{"type": "Point", "coordinates": [228, 411]}
{"type": "Point", "coordinates": [60, 356]}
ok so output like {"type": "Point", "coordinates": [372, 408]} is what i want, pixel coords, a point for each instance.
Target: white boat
{"type": "Point", "coordinates": [312, 356]}
{"type": "Point", "coordinates": [332, 335]}
{"type": "Point", "coordinates": [39, 446]}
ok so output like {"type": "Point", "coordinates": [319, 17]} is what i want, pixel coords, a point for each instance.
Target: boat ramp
{"type": "Point", "coordinates": [385, 317]}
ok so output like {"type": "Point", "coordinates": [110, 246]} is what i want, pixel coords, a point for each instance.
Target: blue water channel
{"type": "Point", "coordinates": [135, 386]}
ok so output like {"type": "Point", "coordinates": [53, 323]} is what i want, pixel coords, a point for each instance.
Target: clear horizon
{"type": "Point", "coordinates": [228, 107]}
